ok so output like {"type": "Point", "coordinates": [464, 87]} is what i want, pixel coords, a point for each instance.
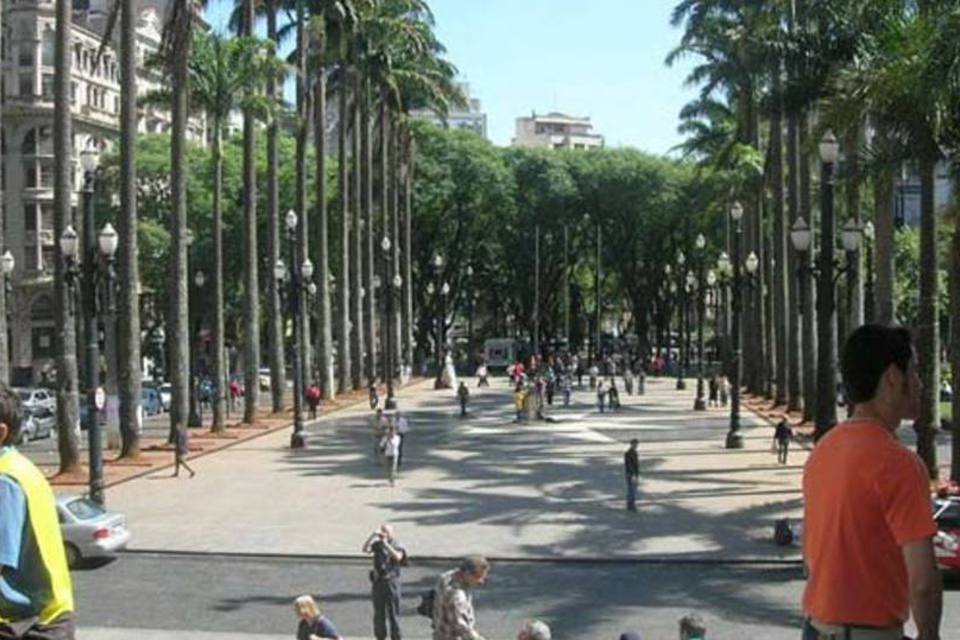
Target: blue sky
{"type": "Point", "coordinates": [603, 59]}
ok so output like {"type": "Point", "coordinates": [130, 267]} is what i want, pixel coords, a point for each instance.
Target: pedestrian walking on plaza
{"type": "Point", "coordinates": [519, 396]}
{"type": "Point", "coordinates": [724, 390]}
{"type": "Point", "coordinates": [312, 625]}
{"type": "Point", "coordinates": [388, 556]}
{"type": "Point", "coordinates": [374, 398]}
{"type": "Point", "coordinates": [313, 399]}
{"type": "Point", "coordinates": [628, 381]}
{"type": "Point", "coordinates": [482, 375]}
{"type": "Point", "coordinates": [463, 394]}
{"type": "Point", "coordinates": [579, 369]}
{"type": "Point", "coordinates": [692, 627]}
{"type": "Point", "coordinates": [567, 390]}
{"type": "Point", "coordinates": [390, 448]}
{"type": "Point", "coordinates": [613, 394]}
{"type": "Point", "coordinates": [601, 395]}
{"type": "Point", "coordinates": [36, 592]}
{"type": "Point", "coordinates": [868, 526]}
{"type": "Point", "coordinates": [631, 468]}
{"type": "Point", "coordinates": [714, 397]}
{"type": "Point", "coordinates": [403, 428]}
{"type": "Point", "coordinates": [235, 394]}
{"type": "Point", "coordinates": [453, 615]}
{"type": "Point", "coordinates": [538, 391]}
{"type": "Point", "coordinates": [181, 450]}
{"type": "Point", "coordinates": [782, 435]}
{"type": "Point", "coordinates": [594, 375]}
{"type": "Point", "coordinates": [534, 630]}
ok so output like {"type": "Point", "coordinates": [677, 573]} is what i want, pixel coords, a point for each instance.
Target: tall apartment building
{"type": "Point", "coordinates": [471, 117]}
{"type": "Point", "coordinates": [556, 131]}
{"type": "Point", "coordinates": [27, 61]}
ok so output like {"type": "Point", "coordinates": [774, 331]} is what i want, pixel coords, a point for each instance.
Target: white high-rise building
{"type": "Point", "coordinates": [556, 131]}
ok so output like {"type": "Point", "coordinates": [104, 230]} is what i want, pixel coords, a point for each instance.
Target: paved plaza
{"type": "Point", "coordinates": [483, 484]}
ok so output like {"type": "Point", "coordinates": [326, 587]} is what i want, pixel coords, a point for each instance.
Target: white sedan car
{"type": "Point", "coordinates": [88, 530]}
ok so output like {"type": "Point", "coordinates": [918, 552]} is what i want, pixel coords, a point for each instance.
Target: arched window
{"type": "Point", "coordinates": [37, 141]}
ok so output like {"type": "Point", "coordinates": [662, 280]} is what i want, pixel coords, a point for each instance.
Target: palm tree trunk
{"type": "Point", "coordinates": [410, 152]}
{"type": "Point", "coordinates": [219, 355]}
{"type": "Point", "coordinates": [179, 334]}
{"type": "Point", "coordinates": [794, 373]}
{"type": "Point", "coordinates": [128, 304]}
{"type": "Point", "coordinates": [251, 286]}
{"type": "Point", "coordinates": [356, 270]}
{"type": "Point", "coordinates": [343, 189]}
{"type": "Point", "coordinates": [808, 320]}
{"type": "Point", "coordinates": [370, 322]}
{"type": "Point", "coordinates": [384, 218]}
{"type": "Point", "coordinates": [303, 132]}
{"type": "Point", "coordinates": [885, 311]}
{"type": "Point", "coordinates": [320, 184]}
{"type": "Point", "coordinates": [854, 183]}
{"type": "Point", "coordinates": [68, 410]}
{"type": "Point", "coordinates": [275, 322]}
{"type": "Point", "coordinates": [928, 334]}
{"type": "Point", "coordinates": [781, 284]}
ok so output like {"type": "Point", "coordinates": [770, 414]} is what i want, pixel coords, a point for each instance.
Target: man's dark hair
{"type": "Point", "coordinates": [634, 442]}
{"type": "Point", "coordinates": [11, 413]}
{"type": "Point", "coordinates": [868, 352]}
{"type": "Point", "coordinates": [692, 626]}
{"type": "Point", "coordinates": [474, 565]}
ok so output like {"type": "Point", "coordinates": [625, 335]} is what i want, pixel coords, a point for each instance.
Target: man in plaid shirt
{"type": "Point", "coordinates": [453, 617]}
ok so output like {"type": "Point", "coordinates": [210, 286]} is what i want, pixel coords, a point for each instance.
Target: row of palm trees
{"type": "Point", "coordinates": [774, 78]}
{"type": "Point", "coordinates": [380, 59]}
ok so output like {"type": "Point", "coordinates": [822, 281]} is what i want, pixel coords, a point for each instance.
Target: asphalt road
{"type": "Point", "coordinates": [579, 600]}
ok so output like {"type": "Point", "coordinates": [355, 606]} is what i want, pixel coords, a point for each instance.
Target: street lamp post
{"type": "Point", "coordinates": [536, 290]}
{"type": "Point", "coordinates": [734, 439]}
{"type": "Point", "coordinates": [439, 319]}
{"type": "Point", "coordinates": [391, 287]}
{"type": "Point", "coordinates": [196, 407]}
{"type": "Point", "coordinates": [97, 249]}
{"type": "Point", "coordinates": [868, 235]}
{"type": "Point", "coordinates": [7, 264]}
{"type": "Point", "coordinates": [682, 346]}
{"type": "Point", "coordinates": [827, 271]}
{"type": "Point", "coordinates": [700, 403]}
{"type": "Point", "coordinates": [299, 285]}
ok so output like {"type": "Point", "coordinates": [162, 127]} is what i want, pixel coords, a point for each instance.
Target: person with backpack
{"type": "Point", "coordinates": [388, 557]}
{"type": "Point", "coordinates": [453, 614]}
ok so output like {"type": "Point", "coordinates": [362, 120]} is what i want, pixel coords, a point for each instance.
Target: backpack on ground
{"type": "Point", "coordinates": [425, 608]}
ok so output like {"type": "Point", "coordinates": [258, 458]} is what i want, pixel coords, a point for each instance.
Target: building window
{"type": "Point", "coordinates": [116, 104]}
{"type": "Point", "coordinates": [41, 339]}
{"type": "Point", "coordinates": [46, 217]}
{"type": "Point", "coordinates": [73, 92]}
{"type": "Point", "coordinates": [26, 84]}
{"type": "Point", "coordinates": [48, 44]}
{"type": "Point", "coordinates": [29, 174]}
{"type": "Point", "coordinates": [48, 86]}
{"type": "Point", "coordinates": [30, 216]}
{"type": "Point", "coordinates": [46, 174]}
{"type": "Point", "coordinates": [26, 54]}
{"type": "Point", "coordinates": [48, 257]}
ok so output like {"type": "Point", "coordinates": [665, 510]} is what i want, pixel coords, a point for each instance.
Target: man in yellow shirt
{"type": "Point", "coordinates": [36, 595]}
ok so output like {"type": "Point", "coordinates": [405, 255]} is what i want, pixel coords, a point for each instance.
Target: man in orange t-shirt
{"type": "Point", "coordinates": [868, 522]}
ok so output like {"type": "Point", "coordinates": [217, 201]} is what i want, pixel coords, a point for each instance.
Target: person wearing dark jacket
{"type": "Point", "coordinates": [631, 467]}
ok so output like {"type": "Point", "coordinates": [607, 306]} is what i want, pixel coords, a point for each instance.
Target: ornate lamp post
{"type": "Point", "coordinates": [827, 271]}
{"type": "Point", "coordinates": [682, 351]}
{"type": "Point", "coordinates": [392, 286]}
{"type": "Point", "coordinates": [7, 264]}
{"type": "Point", "coordinates": [700, 403]}
{"type": "Point", "coordinates": [97, 250]}
{"type": "Point", "coordinates": [299, 285]}
{"type": "Point", "coordinates": [734, 439]}
{"type": "Point", "coordinates": [195, 418]}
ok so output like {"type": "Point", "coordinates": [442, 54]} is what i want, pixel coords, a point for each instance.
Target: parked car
{"type": "Point", "coordinates": [150, 399]}
{"type": "Point", "coordinates": [36, 424]}
{"type": "Point", "coordinates": [88, 530]}
{"type": "Point", "coordinates": [36, 397]}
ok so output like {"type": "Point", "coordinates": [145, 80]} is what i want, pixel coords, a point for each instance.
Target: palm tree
{"type": "Point", "coordinates": [251, 287]}
{"type": "Point", "coordinates": [177, 45]}
{"type": "Point", "coordinates": [356, 264]}
{"type": "Point", "coordinates": [275, 323]}
{"type": "Point", "coordinates": [68, 409]}
{"type": "Point", "coordinates": [343, 190]}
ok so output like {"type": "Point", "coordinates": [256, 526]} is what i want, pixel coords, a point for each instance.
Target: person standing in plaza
{"type": "Point", "coordinates": [714, 397]}
{"type": "Point", "coordinates": [403, 428]}
{"type": "Point", "coordinates": [631, 468]}
{"type": "Point", "coordinates": [388, 556]}
{"type": "Point", "coordinates": [36, 592]}
{"type": "Point", "coordinates": [311, 624]}
{"type": "Point", "coordinates": [601, 395]}
{"type": "Point", "coordinates": [782, 435]}
{"type": "Point", "coordinates": [463, 395]}
{"type": "Point", "coordinates": [724, 390]}
{"type": "Point", "coordinates": [567, 387]}
{"type": "Point", "coordinates": [453, 614]}
{"type": "Point", "coordinates": [519, 396]}
{"type": "Point", "coordinates": [390, 448]}
{"type": "Point", "coordinates": [181, 449]}
{"type": "Point", "coordinates": [313, 399]}
{"type": "Point", "coordinates": [868, 525]}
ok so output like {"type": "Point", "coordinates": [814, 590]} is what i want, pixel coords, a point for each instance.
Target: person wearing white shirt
{"type": "Point", "coordinates": [390, 445]}
{"type": "Point", "coordinates": [403, 427]}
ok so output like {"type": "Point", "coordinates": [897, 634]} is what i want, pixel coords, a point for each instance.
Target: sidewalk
{"type": "Point", "coordinates": [534, 491]}
{"type": "Point", "coordinates": [117, 633]}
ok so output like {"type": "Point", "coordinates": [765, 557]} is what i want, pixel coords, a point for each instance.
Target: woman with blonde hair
{"type": "Point", "coordinates": [313, 626]}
